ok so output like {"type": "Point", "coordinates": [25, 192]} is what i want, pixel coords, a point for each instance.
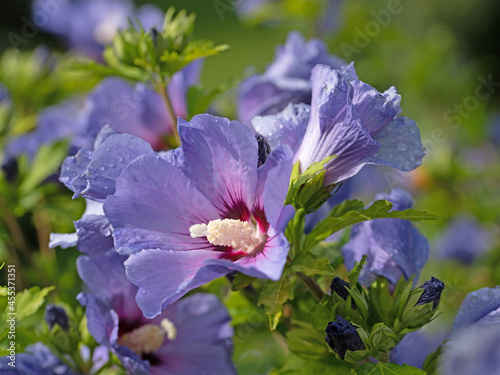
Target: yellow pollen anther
{"type": "Point", "coordinates": [144, 340]}
{"type": "Point", "coordinates": [241, 235]}
{"type": "Point", "coordinates": [149, 337]}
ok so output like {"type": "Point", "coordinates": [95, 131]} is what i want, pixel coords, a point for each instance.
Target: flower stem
{"type": "Point", "coordinates": [163, 90]}
{"type": "Point", "coordinates": [312, 285]}
{"type": "Point", "coordinates": [298, 231]}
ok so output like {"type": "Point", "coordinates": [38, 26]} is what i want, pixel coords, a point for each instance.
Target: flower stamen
{"type": "Point", "coordinates": [241, 235]}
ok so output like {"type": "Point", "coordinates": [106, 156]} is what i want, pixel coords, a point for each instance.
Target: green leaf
{"type": "Point", "coordinates": [300, 366]}
{"type": "Point", "coordinates": [47, 160]}
{"type": "Point", "coordinates": [241, 281]}
{"type": "Point", "coordinates": [353, 276]}
{"type": "Point", "coordinates": [26, 304]}
{"type": "Point", "coordinates": [307, 342]}
{"type": "Point", "coordinates": [387, 369]}
{"type": "Point", "coordinates": [29, 301]}
{"type": "Point", "coordinates": [311, 264]}
{"type": "Point", "coordinates": [378, 210]}
{"type": "Point", "coordinates": [431, 363]}
{"type": "Point", "coordinates": [273, 295]}
{"type": "Point", "coordinates": [321, 314]}
{"type": "Point", "coordinates": [306, 190]}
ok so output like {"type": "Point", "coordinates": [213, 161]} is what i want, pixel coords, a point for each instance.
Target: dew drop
{"type": "Point", "coordinates": [111, 165]}
{"type": "Point", "coordinates": [101, 168]}
{"type": "Point", "coordinates": [143, 292]}
{"type": "Point", "coordinates": [402, 147]}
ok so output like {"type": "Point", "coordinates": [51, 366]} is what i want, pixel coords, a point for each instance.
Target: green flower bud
{"type": "Point", "coordinates": [420, 306]}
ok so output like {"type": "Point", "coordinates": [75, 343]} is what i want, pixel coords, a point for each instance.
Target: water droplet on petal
{"type": "Point", "coordinates": [143, 292]}
{"type": "Point", "coordinates": [402, 147]}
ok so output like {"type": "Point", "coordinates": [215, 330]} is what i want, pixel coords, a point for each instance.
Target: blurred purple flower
{"type": "Point", "coordinates": [473, 351]}
{"type": "Point", "coordinates": [286, 80]}
{"type": "Point", "coordinates": [36, 360]}
{"type": "Point", "coordinates": [464, 239]}
{"type": "Point", "coordinates": [200, 212]}
{"type": "Point", "coordinates": [86, 26]}
{"type": "Point", "coordinates": [192, 336]}
{"type": "Point", "coordinates": [4, 95]}
{"type": "Point", "coordinates": [127, 109]}
{"type": "Point", "coordinates": [394, 247]}
{"type": "Point", "coordinates": [481, 307]}
{"type": "Point", "coordinates": [416, 346]}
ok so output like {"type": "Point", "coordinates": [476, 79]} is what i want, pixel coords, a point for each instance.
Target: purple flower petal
{"type": "Point", "coordinates": [268, 265]}
{"type": "Point", "coordinates": [375, 109]}
{"type": "Point", "coordinates": [335, 129]}
{"type": "Point", "coordinates": [479, 307]}
{"type": "Point", "coordinates": [287, 127]}
{"type": "Point", "coordinates": [154, 206]}
{"type": "Point", "coordinates": [221, 159]}
{"type": "Point", "coordinates": [106, 166]}
{"type": "Point", "coordinates": [474, 351]}
{"type": "Point", "coordinates": [400, 145]}
{"type": "Point", "coordinates": [158, 288]}
{"type": "Point", "coordinates": [394, 247]}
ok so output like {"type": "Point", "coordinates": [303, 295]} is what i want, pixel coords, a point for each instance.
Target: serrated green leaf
{"type": "Point", "coordinates": [273, 295]}
{"type": "Point", "coordinates": [378, 210]}
{"type": "Point", "coordinates": [241, 281]}
{"type": "Point", "coordinates": [30, 300]}
{"type": "Point", "coordinates": [307, 342]}
{"type": "Point", "coordinates": [47, 160]}
{"type": "Point", "coordinates": [387, 369]}
{"type": "Point", "coordinates": [311, 264]}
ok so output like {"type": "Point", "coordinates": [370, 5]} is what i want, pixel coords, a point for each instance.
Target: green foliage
{"type": "Point", "coordinates": [431, 364]}
{"type": "Point", "coordinates": [387, 369]}
{"type": "Point", "coordinates": [273, 295]}
{"type": "Point", "coordinates": [25, 312]}
{"type": "Point", "coordinates": [46, 162]}
{"type": "Point", "coordinates": [241, 281]}
{"type": "Point", "coordinates": [306, 342]}
{"type": "Point", "coordinates": [154, 55]}
{"type": "Point", "coordinates": [306, 191]}
{"type": "Point", "coordinates": [378, 210]}
{"type": "Point", "coordinates": [311, 264]}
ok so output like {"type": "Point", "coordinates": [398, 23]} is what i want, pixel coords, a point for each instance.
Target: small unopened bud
{"type": "Point", "coordinates": [432, 292]}
{"type": "Point", "coordinates": [264, 149]}
{"type": "Point", "coordinates": [56, 315]}
{"type": "Point", "coordinates": [341, 336]}
{"type": "Point", "coordinates": [420, 305]}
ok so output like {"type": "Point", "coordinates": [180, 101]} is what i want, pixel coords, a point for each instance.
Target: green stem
{"type": "Point", "coordinates": [163, 90]}
{"type": "Point", "coordinates": [312, 285]}
{"type": "Point", "coordinates": [298, 231]}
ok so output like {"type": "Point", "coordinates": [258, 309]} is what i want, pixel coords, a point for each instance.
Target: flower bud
{"type": "Point", "coordinates": [339, 287]}
{"type": "Point", "coordinates": [420, 305]}
{"type": "Point", "coordinates": [341, 336]}
{"type": "Point", "coordinates": [432, 292]}
{"type": "Point", "coordinates": [56, 315]}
